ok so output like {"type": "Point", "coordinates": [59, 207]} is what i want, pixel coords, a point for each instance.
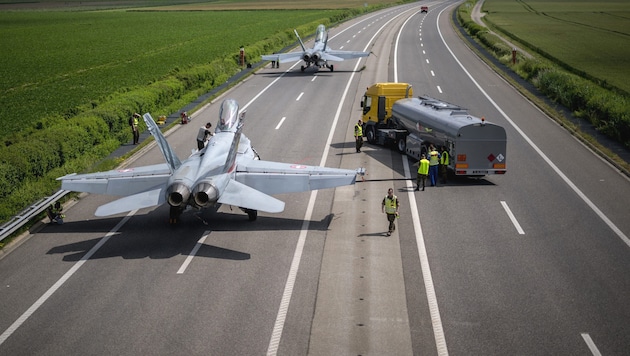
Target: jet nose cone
{"type": "Point", "coordinates": [205, 194]}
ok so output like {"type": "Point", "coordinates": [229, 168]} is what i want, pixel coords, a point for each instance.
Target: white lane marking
{"type": "Point", "coordinates": [513, 218]}
{"type": "Point", "coordinates": [432, 73]}
{"type": "Point", "coordinates": [5, 335]}
{"type": "Point", "coordinates": [591, 344]}
{"type": "Point", "coordinates": [299, 96]}
{"type": "Point", "coordinates": [276, 334]}
{"type": "Point", "coordinates": [555, 168]}
{"type": "Point", "coordinates": [439, 89]}
{"type": "Point", "coordinates": [434, 310]}
{"type": "Point", "coordinates": [281, 121]}
{"type": "Point", "coordinates": [427, 60]}
{"type": "Point", "coordinates": [193, 253]}
{"type": "Point", "coordinates": [314, 77]}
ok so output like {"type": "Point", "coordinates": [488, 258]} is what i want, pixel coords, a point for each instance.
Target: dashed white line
{"type": "Point", "coordinates": [513, 218]}
{"type": "Point", "coordinates": [299, 96]}
{"type": "Point", "coordinates": [439, 89]}
{"type": "Point", "coordinates": [591, 344]}
{"type": "Point", "coordinates": [5, 335]}
{"type": "Point", "coordinates": [193, 253]}
{"type": "Point", "coordinates": [281, 121]}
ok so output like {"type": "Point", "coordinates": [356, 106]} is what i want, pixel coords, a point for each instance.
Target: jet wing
{"type": "Point", "coordinates": [331, 55]}
{"type": "Point", "coordinates": [118, 182]}
{"type": "Point", "coordinates": [137, 201]}
{"type": "Point", "coordinates": [277, 178]}
{"type": "Point", "coordinates": [241, 195]}
{"type": "Point", "coordinates": [284, 57]}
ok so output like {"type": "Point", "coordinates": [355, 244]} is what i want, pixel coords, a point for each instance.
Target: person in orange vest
{"type": "Point", "coordinates": [423, 172]}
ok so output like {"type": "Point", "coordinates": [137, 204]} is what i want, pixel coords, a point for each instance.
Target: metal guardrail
{"type": "Point", "coordinates": [29, 213]}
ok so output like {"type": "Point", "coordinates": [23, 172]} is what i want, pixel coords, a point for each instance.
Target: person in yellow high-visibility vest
{"type": "Point", "coordinates": [358, 135]}
{"type": "Point", "coordinates": [434, 161]}
{"type": "Point", "coordinates": [390, 207]}
{"type": "Point", "coordinates": [444, 156]}
{"type": "Point", "coordinates": [423, 172]}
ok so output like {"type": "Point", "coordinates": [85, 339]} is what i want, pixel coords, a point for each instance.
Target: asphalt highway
{"type": "Point", "coordinates": [534, 262]}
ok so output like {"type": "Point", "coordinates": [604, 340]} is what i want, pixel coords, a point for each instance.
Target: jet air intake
{"type": "Point", "coordinates": [205, 194]}
{"type": "Point", "coordinates": [177, 194]}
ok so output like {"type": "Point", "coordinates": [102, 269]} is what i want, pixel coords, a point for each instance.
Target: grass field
{"type": "Point", "coordinates": [590, 36]}
{"type": "Point", "coordinates": [56, 60]}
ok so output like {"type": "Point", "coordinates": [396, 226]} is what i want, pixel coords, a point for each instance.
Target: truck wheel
{"type": "Point", "coordinates": [371, 135]}
{"type": "Point", "coordinates": [402, 145]}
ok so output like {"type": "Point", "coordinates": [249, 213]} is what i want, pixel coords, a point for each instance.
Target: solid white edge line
{"type": "Point", "coordinates": [5, 335]}
{"type": "Point", "coordinates": [555, 168]}
{"type": "Point", "coordinates": [434, 310]}
{"type": "Point", "coordinates": [591, 345]}
{"type": "Point", "coordinates": [193, 253]}
{"type": "Point", "coordinates": [513, 218]}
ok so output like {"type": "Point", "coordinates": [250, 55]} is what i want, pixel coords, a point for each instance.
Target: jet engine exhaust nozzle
{"type": "Point", "coordinates": [205, 194]}
{"type": "Point", "coordinates": [177, 194]}
{"type": "Point", "coordinates": [316, 57]}
{"type": "Point", "coordinates": [306, 58]}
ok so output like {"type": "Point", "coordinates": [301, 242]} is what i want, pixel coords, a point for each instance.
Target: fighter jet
{"type": "Point", "coordinates": [226, 171]}
{"type": "Point", "coordinates": [318, 56]}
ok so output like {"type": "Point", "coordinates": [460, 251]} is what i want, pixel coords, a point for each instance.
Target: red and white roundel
{"type": "Point", "coordinates": [298, 166]}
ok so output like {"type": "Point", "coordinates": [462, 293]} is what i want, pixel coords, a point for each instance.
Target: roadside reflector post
{"type": "Point", "coordinates": [513, 55]}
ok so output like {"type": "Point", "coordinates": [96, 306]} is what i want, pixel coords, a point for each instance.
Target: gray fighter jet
{"type": "Point", "coordinates": [226, 171]}
{"type": "Point", "coordinates": [318, 56]}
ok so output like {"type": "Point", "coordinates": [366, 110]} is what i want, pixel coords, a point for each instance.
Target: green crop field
{"type": "Point", "coordinates": [55, 60]}
{"type": "Point", "coordinates": [590, 36]}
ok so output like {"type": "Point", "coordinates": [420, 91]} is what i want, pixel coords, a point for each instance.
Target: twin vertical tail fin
{"type": "Point", "coordinates": [299, 39]}
{"type": "Point", "coordinates": [170, 156]}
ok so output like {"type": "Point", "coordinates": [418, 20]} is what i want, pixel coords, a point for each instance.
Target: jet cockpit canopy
{"type": "Point", "coordinates": [228, 116]}
{"type": "Point", "coordinates": [320, 34]}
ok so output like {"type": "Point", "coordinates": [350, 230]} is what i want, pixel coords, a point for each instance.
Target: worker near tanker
{"type": "Point", "coordinates": [423, 172]}
{"type": "Point", "coordinates": [390, 207]}
{"type": "Point", "coordinates": [434, 162]}
{"type": "Point", "coordinates": [444, 164]}
{"type": "Point", "coordinates": [358, 135]}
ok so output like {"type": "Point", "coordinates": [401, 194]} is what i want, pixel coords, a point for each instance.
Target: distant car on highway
{"type": "Point", "coordinates": [424, 9]}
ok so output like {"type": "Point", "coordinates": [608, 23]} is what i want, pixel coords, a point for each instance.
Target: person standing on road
{"type": "Point", "coordinates": [434, 161]}
{"type": "Point", "coordinates": [390, 207]}
{"type": "Point", "coordinates": [358, 135]}
{"type": "Point", "coordinates": [202, 136]}
{"type": "Point", "coordinates": [423, 172]}
{"type": "Point", "coordinates": [444, 164]}
{"type": "Point", "coordinates": [133, 122]}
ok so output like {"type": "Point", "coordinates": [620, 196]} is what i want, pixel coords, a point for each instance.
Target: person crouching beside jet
{"type": "Point", "coordinates": [202, 136]}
